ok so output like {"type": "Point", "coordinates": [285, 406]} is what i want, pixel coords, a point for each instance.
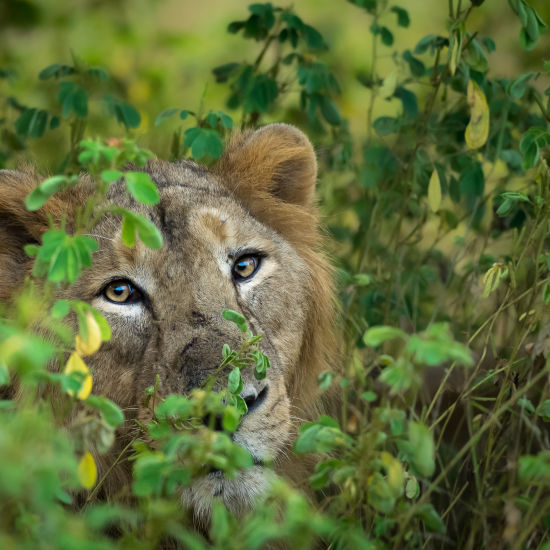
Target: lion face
{"type": "Point", "coordinates": [241, 237]}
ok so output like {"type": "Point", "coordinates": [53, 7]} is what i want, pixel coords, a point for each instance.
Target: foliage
{"type": "Point", "coordinates": [439, 209]}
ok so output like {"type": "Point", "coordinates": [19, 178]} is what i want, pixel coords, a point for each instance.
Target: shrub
{"type": "Point", "coordinates": [440, 216]}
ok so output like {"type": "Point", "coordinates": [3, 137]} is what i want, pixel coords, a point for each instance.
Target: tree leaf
{"type": "Point", "coordinates": [423, 449]}
{"type": "Point", "coordinates": [76, 365]}
{"type": "Point", "coordinates": [60, 309]}
{"type": "Point", "coordinates": [403, 19]}
{"type": "Point", "coordinates": [234, 381]}
{"type": "Point", "coordinates": [434, 191]}
{"type": "Point", "coordinates": [167, 113]}
{"type": "Point", "coordinates": [236, 318]}
{"type": "Point", "coordinates": [141, 187]}
{"type": "Point", "coordinates": [112, 413]}
{"type": "Point", "coordinates": [376, 335]}
{"type": "Point", "coordinates": [87, 471]}
{"type": "Point", "coordinates": [477, 130]}
{"type": "Point", "coordinates": [92, 343]}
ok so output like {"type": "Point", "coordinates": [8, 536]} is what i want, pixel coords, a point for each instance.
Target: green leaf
{"type": "Point", "coordinates": [430, 518]}
{"type": "Point", "coordinates": [369, 396]}
{"type": "Point", "coordinates": [220, 526]}
{"type": "Point", "coordinates": [36, 199]}
{"type": "Point", "coordinates": [376, 335]}
{"type": "Point", "coordinates": [386, 36]}
{"type": "Point", "coordinates": [203, 141]}
{"type": "Point", "coordinates": [225, 119]}
{"type": "Point", "coordinates": [241, 405]}
{"type": "Point", "coordinates": [45, 190]}
{"type": "Point", "coordinates": [517, 88]}
{"type": "Point", "coordinates": [174, 406]}
{"type": "Point", "coordinates": [262, 364]}
{"type": "Point", "coordinates": [80, 102]}
{"type": "Point", "coordinates": [146, 230]}
{"type": "Point", "coordinates": [128, 232]}
{"type": "Point", "coordinates": [141, 187]}
{"type": "Point", "coordinates": [399, 375]}
{"type": "Point", "coordinates": [234, 317]}
{"type": "Point", "coordinates": [409, 102]}
{"type": "Point", "coordinates": [234, 381]}
{"type": "Point", "coordinates": [112, 414]}
{"type": "Point", "coordinates": [324, 380]}
{"type": "Point", "coordinates": [167, 113]}
{"type": "Point", "coordinates": [475, 57]}
{"type": "Point", "coordinates": [231, 419]}
{"type": "Point", "coordinates": [111, 176]}
{"type": "Point", "coordinates": [543, 410]}
{"type": "Point", "coordinates": [423, 449]}
{"type": "Point", "coordinates": [222, 73]}
{"type": "Point", "coordinates": [412, 489]}
{"type": "Point", "coordinates": [55, 71]}
{"type": "Point", "coordinates": [60, 309]}
{"type": "Point", "coordinates": [317, 437]}
{"type": "Point", "coordinates": [38, 123]}
{"type": "Point", "coordinates": [127, 115]}
{"type": "Point", "coordinates": [330, 111]}
{"type": "Point", "coordinates": [98, 73]}
{"type": "Point", "coordinates": [31, 250]}
{"type": "Point", "coordinates": [403, 19]}
{"type": "Point", "coordinates": [313, 37]}
{"type": "Point", "coordinates": [386, 125]}
{"type": "Point", "coordinates": [4, 379]}
{"type": "Point", "coordinates": [526, 405]}
{"type": "Point", "coordinates": [535, 468]}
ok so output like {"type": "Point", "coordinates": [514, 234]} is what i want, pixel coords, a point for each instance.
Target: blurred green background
{"type": "Point", "coordinates": [159, 54]}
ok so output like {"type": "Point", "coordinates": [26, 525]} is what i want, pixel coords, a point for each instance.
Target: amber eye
{"type": "Point", "coordinates": [121, 292]}
{"type": "Point", "coordinates": [245, 267]}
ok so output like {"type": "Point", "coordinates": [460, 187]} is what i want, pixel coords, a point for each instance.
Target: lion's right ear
{"type": "Point", "coordinates": [18, 227]}
{"type": "Point", "coordinates": [273, 172]}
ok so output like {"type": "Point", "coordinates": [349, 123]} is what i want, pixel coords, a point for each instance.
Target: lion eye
{"type": "Point", "coordinates": [245, 267]}
{"type": "Point", "coordinates": [121, 292]}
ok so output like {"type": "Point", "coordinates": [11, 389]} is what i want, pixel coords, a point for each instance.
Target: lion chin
{"type": "Point", "coordinates": [239, 494]}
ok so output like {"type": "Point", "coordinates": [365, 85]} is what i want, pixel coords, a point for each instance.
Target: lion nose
{"type": "Point", "coordinates": [252, 397]}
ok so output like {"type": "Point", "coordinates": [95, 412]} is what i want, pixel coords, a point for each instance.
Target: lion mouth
{"type": "Point", "coordinates": [217, 472]}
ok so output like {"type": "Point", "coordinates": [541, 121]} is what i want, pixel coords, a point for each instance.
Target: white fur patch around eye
{"type": "Point", "coordinates": [125, 310]}
{"type": "Point", "coordinates": [267, 267]}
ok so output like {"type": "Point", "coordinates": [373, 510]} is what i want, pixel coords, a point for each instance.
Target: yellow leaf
{"type": "Point", "coordinates": [388, 86]}
{"type": "Point", "coordinates": [75, 364]}
{"type": "Point", "coordinates": [477, 130]}
{"type": "Point", "coordinates": [455, 50]}
{"type": "Point", "coordinates": [434, 191]}
{"type": "Point", "coordinates": [87, 471]}
{"type": "Point", "coordinates": [395, 475]}
{"type": "Point", "coordinates": [93, 342]}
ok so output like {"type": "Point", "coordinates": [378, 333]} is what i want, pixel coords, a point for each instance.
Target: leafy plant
{"type": "Point", "coordinates": [437, 200]}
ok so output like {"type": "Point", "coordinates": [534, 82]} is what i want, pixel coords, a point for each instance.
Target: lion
{"type": "Point", "coordinates": [242, 235]}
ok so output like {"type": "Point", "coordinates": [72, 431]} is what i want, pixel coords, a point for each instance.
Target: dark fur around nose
{"type": "Point", "coordinates": [253, 400]}
{"type": "Point", "coordinates": [200, 354]}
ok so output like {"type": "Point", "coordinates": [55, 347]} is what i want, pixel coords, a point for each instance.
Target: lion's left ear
{"type": "Point", "coordinates": [276, 161]}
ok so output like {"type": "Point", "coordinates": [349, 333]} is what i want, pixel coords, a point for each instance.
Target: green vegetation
{"type": "Point", "coordinates": [436, 195]}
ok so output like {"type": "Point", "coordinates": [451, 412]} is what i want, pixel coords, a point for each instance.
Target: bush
{"type": "Point", "coordinates": [439, 212]}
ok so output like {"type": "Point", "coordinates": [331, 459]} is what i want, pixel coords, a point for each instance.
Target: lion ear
{"type": "Point", "coordinates": [18, 227]}
{"type": "Point", "coordinates": [275, 161]}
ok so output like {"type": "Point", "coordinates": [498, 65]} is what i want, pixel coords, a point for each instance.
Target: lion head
{"type": "Point", "coordinates": [242, 236]}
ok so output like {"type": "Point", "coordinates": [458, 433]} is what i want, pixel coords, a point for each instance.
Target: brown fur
{"type": "Point", "coordinates": [260, 195]}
